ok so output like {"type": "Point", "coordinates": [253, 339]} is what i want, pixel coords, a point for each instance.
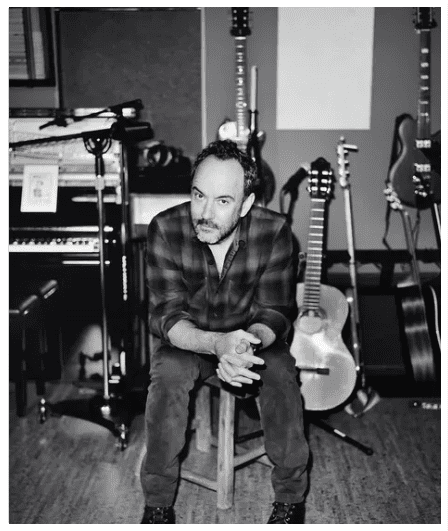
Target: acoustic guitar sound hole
{"type": "Point", "coordinates": [311, 321]}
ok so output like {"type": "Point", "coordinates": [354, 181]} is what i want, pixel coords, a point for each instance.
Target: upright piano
{"type": "Point", "coordinates": [64, 245]}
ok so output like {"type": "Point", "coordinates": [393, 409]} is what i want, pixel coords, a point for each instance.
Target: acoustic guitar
{"type": "Point", "coordinates": [327, 369]}
{"type": "Point", "coordinates": [423, 346]}
{"type": "Point", "coordinates": [412, 175]}
{"type": "Point", "coordinates": [239, 130]}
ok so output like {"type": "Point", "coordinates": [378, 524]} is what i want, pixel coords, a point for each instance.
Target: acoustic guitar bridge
{"type": "Point", "coordinates": [317, 370]}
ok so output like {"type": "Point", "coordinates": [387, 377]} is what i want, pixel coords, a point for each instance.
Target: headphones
{"type": "Point", "coordinates": [157, 154]}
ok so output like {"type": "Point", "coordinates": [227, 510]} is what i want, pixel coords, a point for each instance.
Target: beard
{"type": "Point", "coordinates": [212, 233]}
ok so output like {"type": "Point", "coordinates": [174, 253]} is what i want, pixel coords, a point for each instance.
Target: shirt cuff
{"type": "Point", "coordinates": [276, 321]}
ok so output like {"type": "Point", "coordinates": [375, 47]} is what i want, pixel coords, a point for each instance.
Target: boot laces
{"type": "Point", "coordinates": [158, 515]}
{"type": "Point", "coordinates": [282, 511]}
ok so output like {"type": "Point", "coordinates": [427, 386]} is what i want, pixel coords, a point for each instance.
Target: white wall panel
{"type": "Point", "coordinates": [324, 67]}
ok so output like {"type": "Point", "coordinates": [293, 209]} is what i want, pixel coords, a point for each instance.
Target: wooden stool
{"type": "Point", "coordinates": [227, 460]}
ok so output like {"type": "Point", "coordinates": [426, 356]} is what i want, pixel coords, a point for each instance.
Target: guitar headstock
{"type": "Point", "coordinates": [342, 150]}
{"type": "Point", "coordinates": [240, 22]}
{"type": "Point", "coordinates": [392, 197]}
{"type": "Point", "coordinates": [424, 18]}
{"type": "Point", "coordinates": [321, 180]}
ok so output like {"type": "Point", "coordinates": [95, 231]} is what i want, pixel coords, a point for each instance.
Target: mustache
{"type": "Point", "coordinates": [205, 223]}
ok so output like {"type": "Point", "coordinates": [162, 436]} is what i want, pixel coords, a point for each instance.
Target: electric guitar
{"type": "Point", "coordinates": [422, 346]}
{"type": "Point", "coordinates": [327, 369]}
{"type": "Point", "coordinates": [412, 176]}
{"type": "Point", "coordinates": [239, 130]}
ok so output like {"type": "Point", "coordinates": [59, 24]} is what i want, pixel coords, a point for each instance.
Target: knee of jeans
{"type": "Point", "coordinates": [279, 368]}
{"type": "Point", "coordinates": [172, 370]}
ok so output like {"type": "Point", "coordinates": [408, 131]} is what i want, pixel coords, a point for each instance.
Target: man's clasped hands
{"type": "Point", "coordinates": [235, 352]}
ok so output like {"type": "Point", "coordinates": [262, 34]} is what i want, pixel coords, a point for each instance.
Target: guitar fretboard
{"type": "Point", "coordinates": [423, 117]}
{"type": "Point", "coordinates": [311, 297]}
{"type": "Point", "coordinates": [241, 85]}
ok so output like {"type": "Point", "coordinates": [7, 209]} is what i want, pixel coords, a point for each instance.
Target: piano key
{"type": "Point", "coordinates": [71, 245]}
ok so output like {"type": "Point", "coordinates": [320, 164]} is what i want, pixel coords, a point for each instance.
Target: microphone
{"type": "Point", "coordinates": [60, 121]}
{"type": "Point", "coordinates": [135, 104]}
{"type": "Point", "coordinates": [129, 131]}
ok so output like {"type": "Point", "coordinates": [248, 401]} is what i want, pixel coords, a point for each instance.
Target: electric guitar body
{"type": "Point", "coordinates": [411, 173]}
{"type": "Point", "coordinates": [327, 368]}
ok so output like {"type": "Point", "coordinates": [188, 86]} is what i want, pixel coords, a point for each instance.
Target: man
{"type": "Point", "coordinates": [221, 281]}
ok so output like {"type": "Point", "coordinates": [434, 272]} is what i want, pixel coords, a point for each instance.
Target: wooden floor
{"type": "Point", "coordinates": [69, 471]}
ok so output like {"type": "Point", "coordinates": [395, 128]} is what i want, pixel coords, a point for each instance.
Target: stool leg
{"type": "Point", "coordinates": [202, 419]}
{"type": "Point", "coordinates": [226, 472]}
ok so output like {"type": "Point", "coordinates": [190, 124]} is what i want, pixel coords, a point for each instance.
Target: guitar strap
{"type": "Point", "coordinates": [291, 188]}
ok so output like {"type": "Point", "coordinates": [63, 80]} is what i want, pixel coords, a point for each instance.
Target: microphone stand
{"type": "Point", "coordinates": [97, 146]}
{"type": "Point", "coordinates": [109, 409]}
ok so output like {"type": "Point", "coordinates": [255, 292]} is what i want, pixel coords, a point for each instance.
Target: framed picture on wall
{"type": "Point", "coordinates": [30, 47]}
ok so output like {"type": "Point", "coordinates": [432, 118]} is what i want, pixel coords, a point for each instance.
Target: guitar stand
{"type": "Point", "coordinates": [337, 433]}
{"type": "Point", "coordinates": [366, 399]}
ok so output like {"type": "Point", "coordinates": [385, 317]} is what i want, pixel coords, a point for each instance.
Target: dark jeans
{"type": "Point", "coordinates": [173, 376]}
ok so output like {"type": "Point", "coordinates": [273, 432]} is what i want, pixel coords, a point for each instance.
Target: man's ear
{"type": "Point", "coordinates": [247, 204]}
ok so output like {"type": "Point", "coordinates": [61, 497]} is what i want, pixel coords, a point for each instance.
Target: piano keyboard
{"type": "Point", "coordinates": [55, 245]}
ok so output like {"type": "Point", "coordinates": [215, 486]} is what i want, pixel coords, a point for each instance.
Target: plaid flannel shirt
{"type": "Point", "coordinates": [257, 283]}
